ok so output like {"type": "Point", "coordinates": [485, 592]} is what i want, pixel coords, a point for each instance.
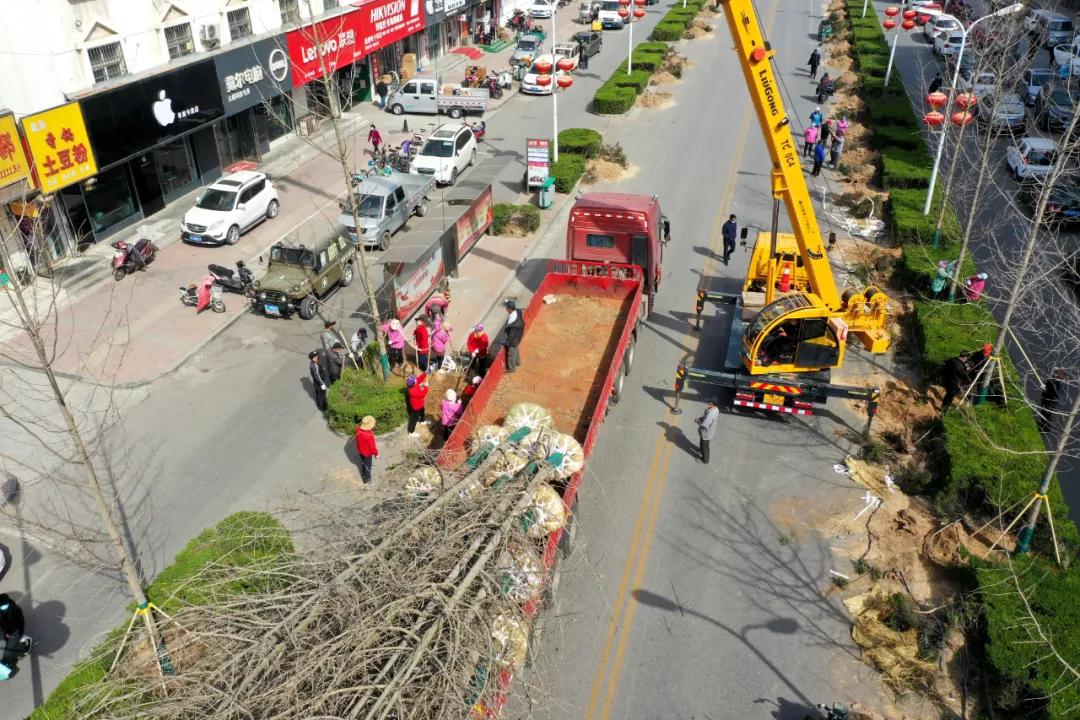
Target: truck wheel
{"type": "Point", "coordinates": [617, 388]}
{"type": "Point", "coordinates": [455, 113]}
{"type": "Point", "coordinates": [397, 109]}
{"type": "Point", "coordinates": [628, 357]}
{"type": "Point", "coordinates": [422, 208]}
{"type": "Point", "coordinates": [384, 242]}
{"type": "Point", "coordinates": [307, 308]}
{"type": "Point", "coordinates": [346, 275]}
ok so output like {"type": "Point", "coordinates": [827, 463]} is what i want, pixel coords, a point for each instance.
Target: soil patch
{"type": "Point", "coordinates": [601, 170]}
{"type": "Point", "coordinates": [656, 100]}
{"type": "Point", "coordinates": [664, 77]}
{"type": "Point", "coordinates": [564, 359]}
{"type": "Point", "coordinates": [698, 30]}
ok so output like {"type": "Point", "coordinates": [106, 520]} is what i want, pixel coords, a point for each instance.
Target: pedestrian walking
{"type": "Point", "coordinates": [729, 232]}
{"type": "Point", "coordinates": [416, 390]}
{"type": "Point", "coordinates": [395, 341]}
{"type": "Point", "coordinates": [422, 343]}
{"type": "Point", "coordinates": [514, 331]}
{"type": "Point", "coordinates": [935, 84]}
{"type": "Point", "coordinates": [1049, 399]}
{"type": "Point", "coordinates": [819, 158]}
{"type": "Point", "coordinates": [366, 447]}
{"type": "Point", "coordinates": [13, 632]}
{"type": "Point", "coordinates": [836, 150]}
{"type": "Point", "coordinates": [334, 362]}
{"type": "Point", "coordinates": [816, 117]}
{"type": "Point", "coordinates": [707, 428]}
{"type": "Point", "coordinates": [810, 136]}
{"type": "Point", "coordinates": [319, 379]}
{"type": "Point", "coordinates": [956, 378]}
{"type": "Point", "coordinates": [450, 412]}
{"type": "Point", "coordinates": [440, 343]}
{"type": "Point", "coordinates": [374, 138]}
{"type": "Point", "coordinates": [477, 345]}
{"type": "Point", "coordinates": [382, 90]}
{"type": "Point", "coordinates": [814, 61]}
{"type": "Point", "coordinates": [826, 132]}
{"type": "Point", "coordinates": [583, 63]}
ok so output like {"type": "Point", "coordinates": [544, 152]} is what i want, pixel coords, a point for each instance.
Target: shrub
{"type": "Point", "coordinates": [905, 168]}
{"type": "Point", "coordinates": [525, 217]}
{"type": "Point", "coordinates": [359, 393]}
{"type": "Point", "coordinates": [898, 137]}
{"type": "Point", "coordinates": [873, 65]}
{"type": "Point", "coordinates": [946, 329]}
{"type": "Point", "coordinates": [611, 99]}
{"type": "Point", "coordinates": [907, 222]}
{"type": "Point", "coordinates": [648, 61]}
{"type": "Point", "coordinates": [637, 79]}
{"type": "Point", "coordinates": [668, 30]}
{"type": "Point", "coordinates": [580, 141]}
{"type": "Point", "coordinates": [566, 172]}
{"type": "Point", "coordinates": [917, 265]}
{"type": "Point", "coordinates": [892, 111]}
{"type": "Point", "coordinates": [652, 46]}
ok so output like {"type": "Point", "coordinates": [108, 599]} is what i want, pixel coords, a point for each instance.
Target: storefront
{"type": "Point", "coordinates": [154, 140]}
{"type": "Point", "coordinates": [254, 81]}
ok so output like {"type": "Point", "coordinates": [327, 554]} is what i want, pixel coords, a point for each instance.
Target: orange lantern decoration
{"type": "Point", "coordinates": [543, 68]}
{"type": "Point", "coordinates": [909, 14]}
{"type": "Point", "coordinates": [923, 19]}
{"type": "Point", "coordinates": [624, 3]}
{"type": "Point", "coordinates": [565, 64]}
{"type": "Point", "coordinates": [639, 13]}
{"type": "Point", "coordinates": [961, 118]}
{"type": "Point", "coordinates": [908, 24]}
{"type": "Point", "coordinates": [564, 81]}
{"type": "Point", "coordinates": [892, 11]}
{"type": "Point", "coordinates": [937, 99]}
{"type": "Point", "coordinates": [933, 118]}
{"type": "Point", "coordinates": [640, 3]}
{"type": "Point", "coordinates": [965, 100]}
{"type": "Point", "coordinates": [889, 24]}
{"type": "Point", "coordinates": [543, 80]}
{"type": "Point", "coordinates": [624, 13]}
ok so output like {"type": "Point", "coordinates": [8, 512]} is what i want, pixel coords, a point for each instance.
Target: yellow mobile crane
{"type": "Point", "coordinates": [782, 358]}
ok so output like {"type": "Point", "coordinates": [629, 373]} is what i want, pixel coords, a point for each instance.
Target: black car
{"type": "Point", "coordinates": [1063, 205]}
{"type": "Point", "coordinates": [1055, 105]}
{"type": "Point", "coordinates": [590, 42]}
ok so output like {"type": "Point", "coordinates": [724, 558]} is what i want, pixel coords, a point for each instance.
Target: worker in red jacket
{"type": "Point", "coordinates": [366, 447]}
{"type": "Point", "coordinates": [477, 345]}
{"type": "Point", "coordinates": [416, 390]}
{"type": "Point", "coordinates": [422, 340]}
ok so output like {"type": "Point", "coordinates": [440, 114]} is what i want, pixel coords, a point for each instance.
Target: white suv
{"type": "Point", "coordinates": [230, 206]}
{"type": "Point", "coordinates": [446, 154]}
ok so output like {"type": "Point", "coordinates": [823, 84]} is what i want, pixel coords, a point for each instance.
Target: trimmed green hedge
{"type": "Point", "coordinates": [917, 266]}
{"type": "Point", "coordinates": [580, 141]}
{"type": "Point", "coordinates": [359, 393]}
{"type": "Point", "coordinates": [670, 30]}
{"type": "Point", "coordinates": [526, 217]}
{"type": "Point", "coordinates": [567, 171]}
{"type": "Point", "coordinates": [905, 169]}
{"type": "Point", "coordinates": [240, 540]}
{"type": "Point", "coordinates": [900, 138]}
{"type": "Point", "coordinates": [907, 222]}
{"type": "Point", "coordinates": [617, 95]}
{"type": "Point", "coordinates": [611, 99]}
{"type": "Point", "coordinates": [637, 79]}
{"type": "Point", "coordinates": [648, 60]}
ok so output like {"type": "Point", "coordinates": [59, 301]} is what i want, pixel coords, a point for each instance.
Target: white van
{"type": "Point", "coordinates": [1052, 29]}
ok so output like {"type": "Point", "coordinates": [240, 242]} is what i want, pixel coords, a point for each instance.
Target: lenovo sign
{"type": "Point", "coordinates": [340, 41]}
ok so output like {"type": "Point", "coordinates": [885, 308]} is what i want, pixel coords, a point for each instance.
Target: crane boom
{"type": "Point", "coordinates": [788, 183]}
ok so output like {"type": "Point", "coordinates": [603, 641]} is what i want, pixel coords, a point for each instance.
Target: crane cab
{"type": "Point", "coordinates": [795, 334]}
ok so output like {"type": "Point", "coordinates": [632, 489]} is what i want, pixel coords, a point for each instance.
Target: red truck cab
{"type": "Point", "coordinates": [620, 228]}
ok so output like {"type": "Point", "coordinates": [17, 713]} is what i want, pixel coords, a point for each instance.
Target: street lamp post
{"type": "Point", "coordinates": [554, 94]}
{"type": "Point", "coordinates": [1008, 10]}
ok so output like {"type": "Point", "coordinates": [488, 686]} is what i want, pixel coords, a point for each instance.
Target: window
{"type": "Point", "coordinates": [290, 12]}
{"type": "Point", "coordinates": [239, 23]}
{"type": "Point", "coordinates": [178, 40]}
{"type": "Point", "coordinates": [330, 4]}
{"type": "Point", "coordinates": [599, 241]}
{"type": "Point", "coordinates": [399, 193]}
{"type": "Point", "coordinates": [107, 62]}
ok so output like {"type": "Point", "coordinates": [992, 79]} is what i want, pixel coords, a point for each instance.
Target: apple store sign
{"type": "Point", "coordinates": [139, 115]}
{"type": "Point", "coordinates": [253, 74]}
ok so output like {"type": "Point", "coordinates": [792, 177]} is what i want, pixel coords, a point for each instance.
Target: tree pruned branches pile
{"type": "Point", "coordinates": [391, 615]}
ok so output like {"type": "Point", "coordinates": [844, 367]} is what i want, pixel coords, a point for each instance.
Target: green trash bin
{"type": "Point", "coordinates": [547, 193]}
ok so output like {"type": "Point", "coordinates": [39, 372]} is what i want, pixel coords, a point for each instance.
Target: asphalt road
{"type": "Point", "coordinates": [693, 591]}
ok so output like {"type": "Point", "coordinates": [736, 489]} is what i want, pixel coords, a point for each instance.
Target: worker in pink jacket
{"type": "Point", "coordinates": [395, 339]}
{"type": "Point", "coordinates": [440, 341]}
{"type": "Point", "coordinates": [450, 412]}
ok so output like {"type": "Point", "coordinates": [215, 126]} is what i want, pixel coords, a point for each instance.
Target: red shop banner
{"type": "Point", "coordinates": [336, 39]}
{"type": "Point", "coordinates": [384, 22]}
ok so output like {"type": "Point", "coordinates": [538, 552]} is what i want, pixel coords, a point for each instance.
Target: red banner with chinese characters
{"type": "Point", "coordinates": [475, 222]}
{"type": "Point", "coordinates": [387, 21]}
{"type": "Point", "coordinates": [336, 39]}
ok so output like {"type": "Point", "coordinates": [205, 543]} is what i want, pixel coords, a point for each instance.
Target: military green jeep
{"type": "Point", "coordinates": [297, 278]}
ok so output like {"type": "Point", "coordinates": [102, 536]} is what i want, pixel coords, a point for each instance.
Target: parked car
{"type": "Point", "coordinates": [1055, 105]}
{"type": "Point", "coordinates": [1062, 206]}
{"type": "Point", "coordinates": [978, 82]}
{"type": "Point", "coordinates": [446, 154]}
{"type": "Point", "coordinates": [591, 42]}
{"type": "Point", "coordinates": [542, 8]}
{"type": "Point", "coordinates": [529, 82]}
{"type": "Point", "coordinates": [432, 96]}
{"type": "Point", "coordinates": [1052, 29]}
{"type": "Point", "coordinates": [1067, 56]}
{"type": "Point", "coordinates": [1031, 81]}
{"type": "Point", "coordinates": [528, 47]}
{"type": "Point", "coordinates": [232, 205]}
{"type": "Point", "coordinates": [1031, 18]}
{"type": "Point", "coordinates": [947, 42]}
{"type": "Point", "coordinates": [568, 51]}
{"type": "Point", "coordinates": [1032, 157]}
{"type": "Point", "coordinates": [1001, 112]}
{"type": "Point", "coordinates": [938, 24]}
{"type": "Point", "coordinates": [608, 15]}
{"type": "Point", "coordinates": [384, 204]}
{"type": "Point", "coordinates": [298, 277]}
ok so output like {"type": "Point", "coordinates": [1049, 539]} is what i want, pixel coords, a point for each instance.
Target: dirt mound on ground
{"type": "Point", "coordinates": [895, 654]}
{"type": "Point", "coordinates": [656, 100]}
{"type": "Point", "coordinates": [663, 77]}
{"type": "Point", "coordinates": [696, 31]}
{"type": "Point", "coordinates": [600, 170]}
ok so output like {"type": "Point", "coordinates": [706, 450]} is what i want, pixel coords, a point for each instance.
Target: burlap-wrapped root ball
{"type": "Point", "coordinates": [529, 415]}
{"type": "Point", "coordinates": [552, 443]}
{"type": "Point", "coordinates": [510, 642]}
{"type": "Point", "coordinates": [545, 514]}
{"type": "Point", "coordinates": [485, 435]}
{"type": "Point", "coordinates": [424, 481]}
{"type": "Point", "coordinates": [520, 574]}
{"type": "Point", "coordinates": [507, 461]}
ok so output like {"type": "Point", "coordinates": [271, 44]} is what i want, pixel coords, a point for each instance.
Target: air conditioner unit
{"type": "Point", "coordinates": [210, 34]}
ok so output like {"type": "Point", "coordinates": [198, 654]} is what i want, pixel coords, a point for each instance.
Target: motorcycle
{"type": "Point", "coordinates": [129, 258]}
{"type": "Point", "coordinates": [493, 87]}
{"type": "Point", "coordinates": [205, 294]}
{"type": "Point", "coordinates": [836, 711]}
{"type": "Point", "coordinates": [824, 91]}
{"type": "Point", "coordinates": [505, 77]}
{"type": "Point", "coordinates": [479, 130]}
{"type": "Point", "coordinates": [238, 282]}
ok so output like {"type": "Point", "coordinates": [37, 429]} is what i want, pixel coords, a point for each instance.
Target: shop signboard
{"type": "Point", "coordinates": [474, 223]}
{"type": "Point", "coordinates": [438, 10]}
{"type": "Point", "coordinates": [60, 147]}
{"type": "Point", "coordinates": [384, 22]}
{"type": "Point", "coordinates": [415, 281]}
{"type": "Point", "coordinates": [253, 74]}
{"type": "Point", "coordinates": [337, 40]}
{"type": "Point", "coordinates": [537, 158]}
{"type": "Point", "coordinates": [13, 164]}
{"type": "Point", "coordinates": [139, 115]}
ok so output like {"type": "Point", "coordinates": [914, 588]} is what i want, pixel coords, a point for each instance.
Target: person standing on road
{"type": "Point", "coordinates": [374, 138]}
{"type": "Point", "coordinates": [319, 379]}
{"type": "Point", "coordinates": [335, 362]}
{"type": "Point", "coordinates": [366, 447]}
{"type": "Point", "coordinates": [382, 90]}
{"type": "Point", "coordinates": [449, 413]}
{"type": "Point", "coordinates": [422, 341]}
{"type": "Point", "coordinates": [814, 61]}
{"type": "Point", "coordinates": [819, 158]}
{"type": "Point", "coordinates": [13, 630]}
{"type": "Point", "coordinates": [935, 84]}
{"type": "Point", "coordinates": [729, 231]}
{"type": "Point", "coordinates": [583, 63]}
{"type": "Point", "coordinates": [826, 132]}
{"type": "Point", "coordinates": [1049, 399]}
{"type": "Point", "coordinates": [416, 390]}
{"type": "Point", "coordinates": [955, 377]}
{"type": "Point", "coordinates": [816, 117]}
{"type": "Point", "coordinates": [836, 149]}
{"type": "Point", "coordinates": [395, 340]}
{"type": "Point", "coordinates": [810, 136]}
{"type": "Point", "coordinates": [477, 345]}
{"type": "Point", "coordinates": [515, 331]}
{"type": "Point", "coordinates": [707, 428]}
{"type": "Point", "coordinates": [329, 335]}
